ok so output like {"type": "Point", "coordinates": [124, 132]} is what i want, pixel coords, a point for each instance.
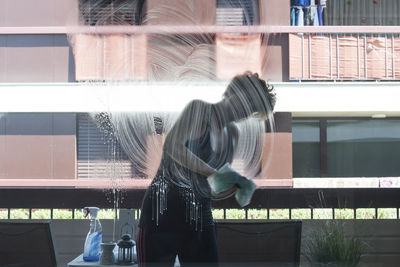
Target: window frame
{"type": "Point", "coordinates": [323, 135]}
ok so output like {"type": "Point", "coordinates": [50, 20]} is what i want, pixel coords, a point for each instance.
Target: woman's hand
{"type": "Point", "coordinates": [224, 179]}
{"type": "Point", "coordinates": [226, 182]}
{"type": "Point", "coordinates": [225, 194]}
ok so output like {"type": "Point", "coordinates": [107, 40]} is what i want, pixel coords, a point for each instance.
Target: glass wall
{"type": "Point", "coordinates": [363, 148]}
{"type": "Point", "coordinates": [306, 148]}
{"type": "Point", "coordinates": [346, 148]}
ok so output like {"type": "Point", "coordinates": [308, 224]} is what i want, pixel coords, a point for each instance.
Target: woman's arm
{"type": "Point", "coordinates": [190, 125]}
{"type": "Point", "coordinates": [231, 130]}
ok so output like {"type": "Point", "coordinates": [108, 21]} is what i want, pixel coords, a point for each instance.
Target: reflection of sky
{"type": "Point", "coordinates": [305, 132]}
{"type": "Point", "coordinates": [342, 131]}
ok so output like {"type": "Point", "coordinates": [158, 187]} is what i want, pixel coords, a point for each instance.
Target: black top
{"type": "Point", "coordinates": [180, 198]}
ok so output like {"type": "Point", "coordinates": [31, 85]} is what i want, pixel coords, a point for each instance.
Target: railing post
{"type": "Point", "coordinates": [358, 57]}
{"type": "Point", "coordinates": [330, 56]}
{"type": "Point", "coordinates": [309, 56]}
{"type": "Point", "coordinates": [393, 57]}
{"type": "Point", "coordinates": [302, 56]}
{"type": "Point", "coordinates": [365, 57]}
{"type": "Point", "coordinates": [126, 71]}
{"type": "Point", "coordinates": [104, 39]}
{"type": "Point", "coordinates": [386, 58]}
{"type": "Point", "coordinates": [132, 55]}
{"type": "Point", "coordinates": [98, 52]}
{"type": "Point", "coordinates": [337, 56]}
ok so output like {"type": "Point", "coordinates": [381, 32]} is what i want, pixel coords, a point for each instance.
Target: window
{"type": "Point", "coordinates": [237, 12]}
{"type": "Point", "coordinates": [99, 154]}
{"type": "Point", "coordinates": [306, 148]}
{"type": "Point", "coordinates": [346, 147]}
{"type": "Point", "coordinates": [111, 12]}
{"type": "Point", "coordinates": [363, 148]}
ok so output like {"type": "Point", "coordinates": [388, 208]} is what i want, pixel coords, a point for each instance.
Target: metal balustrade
{"type": "Point", "coordinates": [330, 200]}
{"type": "Point", "coordinates": [344, 56]}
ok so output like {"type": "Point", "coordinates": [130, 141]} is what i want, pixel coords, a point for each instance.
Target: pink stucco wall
{"type": "Point", "coordinates": [277, 156]}
{"type": "Point", "coordinates": [37, 146]}
{"type": "Point", "coordinates": [16, 13]}
{"type": "Point", "coordinates": [110, 56]}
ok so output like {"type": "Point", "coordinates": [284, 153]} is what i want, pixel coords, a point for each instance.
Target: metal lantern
{"type": "Point", "coordinates": [125, 250]}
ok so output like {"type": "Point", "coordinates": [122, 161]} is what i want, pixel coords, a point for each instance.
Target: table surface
{"type": "Point", "coordinates": [79, 262]}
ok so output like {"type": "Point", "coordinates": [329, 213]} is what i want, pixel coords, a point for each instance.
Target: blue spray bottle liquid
{"type": "Point", "coordinates": [91, 251]}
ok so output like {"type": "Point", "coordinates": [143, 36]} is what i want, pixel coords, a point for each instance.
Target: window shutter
{"type": "Point", "coordinates": [99, 156]}
{"type": "Point", "coordinates": [237, 12]}
{"type": "Point", "coordinates": [229, 16]}
{"type": "Point", "coordinates": [111, 12]}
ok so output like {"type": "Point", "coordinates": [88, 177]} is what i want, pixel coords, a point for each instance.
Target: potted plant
{"type": "Point", "coordinates": [329, 246]}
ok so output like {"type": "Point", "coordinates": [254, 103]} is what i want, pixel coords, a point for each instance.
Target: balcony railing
{"type": "Point", "coordinates": [315, 52]}
{"type": "Point", "coordinates": [344, 56]}
{"type": "Point", "coordinates": [263, 199]}
{"type": "Point", "coordinates": [197, 29]}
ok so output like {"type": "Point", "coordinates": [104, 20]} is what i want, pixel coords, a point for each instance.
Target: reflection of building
{"type": "Point", "coordinates": [339, 140]}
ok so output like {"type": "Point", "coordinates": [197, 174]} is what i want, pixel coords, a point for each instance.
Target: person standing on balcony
{"type": "Point", "coordinates": [176, 216]}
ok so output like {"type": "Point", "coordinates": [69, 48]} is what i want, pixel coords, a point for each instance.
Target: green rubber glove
{"type": "Point", "coordinates": [226, 178]}
{"type": "Point", "coordinates": [245, 192]}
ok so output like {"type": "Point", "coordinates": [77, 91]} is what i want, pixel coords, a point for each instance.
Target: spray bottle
{"type": "Point", "coordinates": [91, 251]}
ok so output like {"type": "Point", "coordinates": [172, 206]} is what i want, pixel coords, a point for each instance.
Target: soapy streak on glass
{"type": "Point", "coordinates": [179, 59]}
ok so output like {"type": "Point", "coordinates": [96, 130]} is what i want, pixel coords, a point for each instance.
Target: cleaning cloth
{"type": "Point", "coordinates": [226, 178]}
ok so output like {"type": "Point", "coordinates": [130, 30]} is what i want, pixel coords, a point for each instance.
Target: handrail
{"type": "Point", "coordinates": [271, 198]}
{"type": "Point", "coordinates": [99, 183]}
{"type": "Point", "coordinates": [197, 29]}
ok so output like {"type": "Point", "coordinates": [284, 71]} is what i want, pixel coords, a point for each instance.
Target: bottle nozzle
{"type": "Point", "coordinates": [90, 210]}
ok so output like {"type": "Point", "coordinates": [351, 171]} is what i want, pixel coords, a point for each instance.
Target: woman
{"type": "Point", "coordinates": [176, 216]}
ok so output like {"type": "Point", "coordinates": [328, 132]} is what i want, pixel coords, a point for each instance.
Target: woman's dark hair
{"type": "Point", "coordinates": [249, 85]}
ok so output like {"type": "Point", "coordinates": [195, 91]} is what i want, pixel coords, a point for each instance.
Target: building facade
{"type": "Point", "coordinates": [336, 115]}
